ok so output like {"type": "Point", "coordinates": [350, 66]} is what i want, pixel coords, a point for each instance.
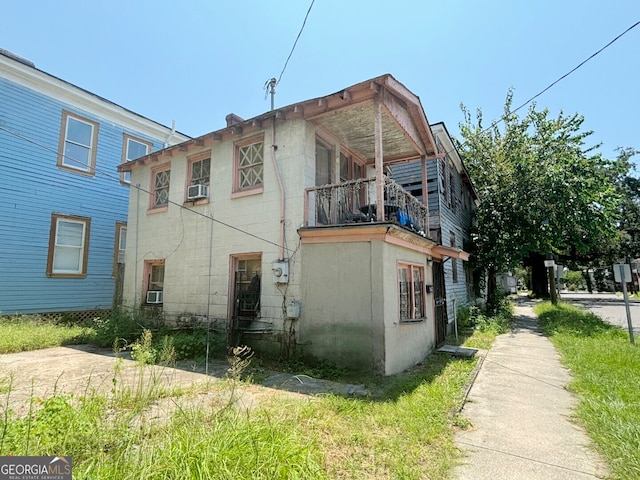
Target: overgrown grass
{"type": "Point", "coordinates": [404, 432]}
{"type": "Point", "coordinates": [30, 332]}
{"type": "Point", "coordinates": [144, 428]}
{"type": "Point", "coordinates": [477, 329]}
{"type": "Point", "coordinates": [606, 380]}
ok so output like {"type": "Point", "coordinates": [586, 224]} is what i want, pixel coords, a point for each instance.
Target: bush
{"type": "Point", "coordinates": [476, 317]}
{"type": "Point", "coordinates": [121, 327]}
{"type": "Point", "coordinates": [574, 280]}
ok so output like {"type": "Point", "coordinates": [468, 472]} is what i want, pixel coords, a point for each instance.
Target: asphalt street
{"type": "Point", "coordinates": [608, 306]}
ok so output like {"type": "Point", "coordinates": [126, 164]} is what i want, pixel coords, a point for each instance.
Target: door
{"type": "Point", "coordinates": [440, 302]}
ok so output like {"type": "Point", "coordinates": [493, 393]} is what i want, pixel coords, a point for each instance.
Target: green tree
{"type": "Point", "coordinates": [542, 191]}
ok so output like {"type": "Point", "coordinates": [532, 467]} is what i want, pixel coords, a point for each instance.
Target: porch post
{"type": "Point", "coordinates": [425, 191]}
{"type": "Point", "coordinates": [378, 154]}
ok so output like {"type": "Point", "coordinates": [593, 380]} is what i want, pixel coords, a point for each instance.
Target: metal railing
{"type": "Point", "coordinates": [354, 201]}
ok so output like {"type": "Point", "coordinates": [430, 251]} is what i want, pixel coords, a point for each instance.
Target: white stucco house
{"type": "Point", "coordinates": [285, 231]}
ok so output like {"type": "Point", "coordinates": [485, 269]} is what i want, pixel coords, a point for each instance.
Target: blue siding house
{"type": "Point", "coordinates": [63, 205]}
{"type": "Point", "coordinates": [451, 201]}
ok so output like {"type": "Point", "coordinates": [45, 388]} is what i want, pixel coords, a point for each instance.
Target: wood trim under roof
{"type": "Point", "coordinates": [348, 114]}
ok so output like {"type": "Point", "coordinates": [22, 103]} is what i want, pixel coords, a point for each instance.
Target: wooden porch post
{"type": "Point", "coordinates": [378, 154]}
{"type": "Point", "coordinates": [425, 191]}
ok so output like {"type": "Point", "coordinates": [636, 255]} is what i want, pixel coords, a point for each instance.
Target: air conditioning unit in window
{"type": "Point", "coordinates": [154, 296]}
{"type": "Point", "coordinates": [196, 192]}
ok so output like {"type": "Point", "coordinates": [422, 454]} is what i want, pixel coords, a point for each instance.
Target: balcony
{"type": "Point", "coordinates": [355, 201]}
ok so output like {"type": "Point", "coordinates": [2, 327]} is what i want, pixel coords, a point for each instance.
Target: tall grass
{"type": "Point", "coordinates": [30, 332]}
{"type": "Point", "coordinates": [145, 428]}
{"type": "Point", "coordinates": [405, 432]}
{"type": "Point", "coordinates": [606, 379]}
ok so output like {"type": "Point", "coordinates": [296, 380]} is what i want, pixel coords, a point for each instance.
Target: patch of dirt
{"type": "Point", "coordinates": [84, 369]}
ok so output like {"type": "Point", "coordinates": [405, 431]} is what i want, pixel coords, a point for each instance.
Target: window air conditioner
{"type": "Point", "coordinates": [196, 192]}
{"type": "Point", "coordinates": [154, 296]}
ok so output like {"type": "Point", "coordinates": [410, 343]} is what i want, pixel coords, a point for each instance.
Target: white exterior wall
{"type": "Point", "coordinates": [184, 239]}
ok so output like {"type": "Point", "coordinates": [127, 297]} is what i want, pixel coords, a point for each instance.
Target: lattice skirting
{"type": "Point", "coordinates": [75, 316]}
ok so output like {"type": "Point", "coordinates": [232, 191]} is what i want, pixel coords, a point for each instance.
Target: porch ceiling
{"type": "Point", "coordinates": [354, 126]}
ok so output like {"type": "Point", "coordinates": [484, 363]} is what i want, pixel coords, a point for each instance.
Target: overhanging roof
{"type": "Point", "coordinates": [348, 116]}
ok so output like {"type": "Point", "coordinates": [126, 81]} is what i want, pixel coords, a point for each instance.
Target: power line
{"type": "Point", "coordinates": [139, 188]}
{"type": "Point", "coordinates": [504, 117]}
{"type": "Point", "coordinates": [295, 43]}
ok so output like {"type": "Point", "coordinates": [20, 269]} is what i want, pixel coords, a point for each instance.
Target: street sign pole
{"type": "Point", "coordinates": [626, 301]}
{"type": "Point", "coordinates": [551, 269]}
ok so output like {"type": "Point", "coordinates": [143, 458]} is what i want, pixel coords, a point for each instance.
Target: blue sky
{"type": "Point", "coordinates": [195, 61]}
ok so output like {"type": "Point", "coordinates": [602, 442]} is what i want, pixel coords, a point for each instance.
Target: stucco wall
{"type": "Point", "coordinates": [342, 318]}
{"type": "Point", "coordinates": [406, 344]}
{"type": "Point", "coordinates": [351, 307]}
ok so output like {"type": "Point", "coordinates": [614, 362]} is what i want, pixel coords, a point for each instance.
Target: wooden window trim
{"type": "Point", "coordinates": [146, 282]}
{"type": "Point", "coordinates": [91, 171]}
{"type": "Point", "coordinates": [254, 189]}
{"type": "Point", "coordinates": [454, 261]}
{"type": "Point", "coordinates": [152, 189]}
{"type": "Point", "coordinates": [55, 217]}
{"type": "Point", "coordinates": [125, 143]}
{"type": "Point", "coordinates": [411, 267]}
{"type": "Point", "coordinates": [116, 246]}
{"type": "Point", "coordinates": [198, 157]}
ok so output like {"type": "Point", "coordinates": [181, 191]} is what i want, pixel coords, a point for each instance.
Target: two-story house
{"type": "Point", "coordinates": [286, 231]}
{"type": "Point", "coordinates": [452, 200]}
{"type": "Point", "coordinates": [63, 204]}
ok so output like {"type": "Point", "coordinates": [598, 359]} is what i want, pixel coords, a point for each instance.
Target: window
{"type": "Point", "coordinates": [68, 246]}
{"type": "Point", "coordinates": [160, 179]}
{"type": "Point", "coordinates": [78, 144]}
{"type": "Point", "coordinates": [132, 148]}
{"type": "Point", "coordinates": [200, 171]}
{"type": "Point", "coordinates": [454, 261]}
{"type": "Point", "coordinates": [249, 163]}
{"type": "Point", "coordinates": [119, 246]}
{"type": "Point", "coordinates": [412, 292]}
{"type": "Point", "coordinates": [153, 279]}
{"type": "Point", "coordinates": [324, 159]}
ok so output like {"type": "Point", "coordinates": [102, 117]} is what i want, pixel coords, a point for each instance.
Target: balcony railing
{"type": "Point", "coordinates": [354, 201]}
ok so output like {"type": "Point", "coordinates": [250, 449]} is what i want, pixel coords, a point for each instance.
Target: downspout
{"type": "Point", "coordinates": [271, 85]}
{"type": "Point", "coordinates": [135, 263]}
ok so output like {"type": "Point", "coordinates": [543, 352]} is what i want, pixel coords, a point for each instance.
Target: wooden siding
{"type": "Point", "coordinates": [33, 187]}
{"type": "Point", "coordinates": [443, 217]}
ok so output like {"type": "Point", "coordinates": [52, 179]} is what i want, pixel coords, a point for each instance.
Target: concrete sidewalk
{"type": "Point", "coordinates": [520, 413]}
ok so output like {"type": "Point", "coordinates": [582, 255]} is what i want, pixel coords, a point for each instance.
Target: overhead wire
{"type": "Point", "coordinates": [304, 22]}
{"type": "Point", "coordinates": [590, 57]}
{"type": "Point", "coordinates": [139, 188]}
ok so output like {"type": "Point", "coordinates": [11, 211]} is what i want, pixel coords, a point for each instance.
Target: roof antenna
{"type": "Point", "coordinates": [270, 88]}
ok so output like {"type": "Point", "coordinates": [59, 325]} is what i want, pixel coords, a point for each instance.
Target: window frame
{"type": "Point", "coordinates": [239, 191]}
{"type": "Point", "coordinates": [125, 154]}
{"type": "Point", "coordinates": [411, 268]}
{"type": "Point", "coordinates": [149, 265]}
{"type": "Point", "coordinates": [193, 159]}
{"type": "Point", "coordinates": [120, 227]}
{"type": "Point", "coordinates": [454, 261]}
{"type": "Point", "coordinates": [90, 171]}
{"type": "Point", "coordinates": [152, 189]}
{"type": "Point", "coordinates": [56, 218]}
